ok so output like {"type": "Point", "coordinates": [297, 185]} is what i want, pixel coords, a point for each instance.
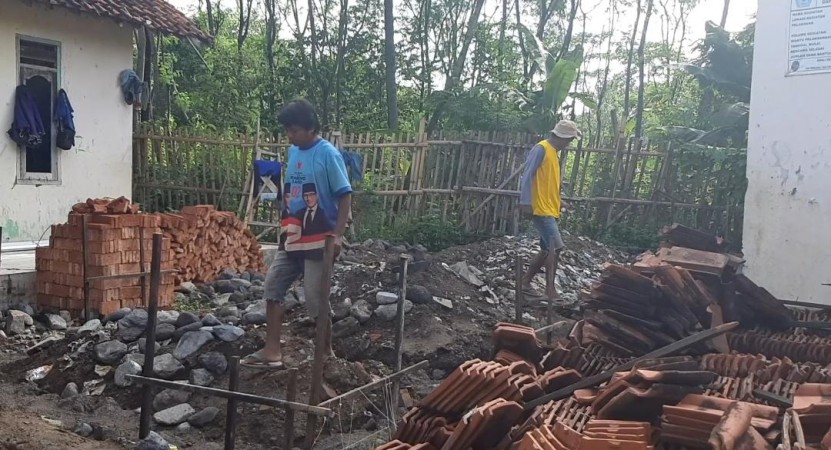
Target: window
{"type": "Point", "coordinates": [38, 68]}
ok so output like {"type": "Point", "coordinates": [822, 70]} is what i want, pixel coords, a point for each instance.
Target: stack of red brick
{"type": "Point", "coordinates": [115, 232]}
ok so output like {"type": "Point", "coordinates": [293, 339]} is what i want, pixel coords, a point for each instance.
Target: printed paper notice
{"type": "Point", "coordinates": [809, 37]}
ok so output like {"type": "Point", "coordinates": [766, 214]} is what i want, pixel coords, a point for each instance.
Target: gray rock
{"type": "Point", "coordinates": [204, 417]}
{"type": "Point", "coordinates": [258, 306]}
{"type": "Point", "coordinates": [254, 318]}
{"type": "Point", "coordinates": [228, 333]}
{"type": "Point", "coordinates": [128, 333]}
{"type": "Point", "coordinates": [201, 377]}
{"type": "Point", "coordinates": [257, 291]}
{"type": "Point", "coordinates": [195, 326]}
{"type": "Point", "coordinates": [91, 326]}
{"type": "Point", "coordinates": [257, 277]}
{"type": "Point", "coordinates": [398, 249]}
{"type": "Point", "coordinates": [183, 427]}
{"type": "Point", "coordinates": [110, 352]}
{"type": "Point", "coordinates": [153, 442]}
{"type": "Point", "coordinates": [142, 346]}
{"type": "Point", "coordinates": [245, 276]}
{"type": "Point", "coordinates": [16, 323]}
{"type": "Point", "coordinates": [360, 310]}
{"type": "Point", "coordinates": [388, 312]}
{"type": "Point", "coordinates": [121, 372]}
{"type": "Point", "coordinates": [222, 299]}
{"type": "Point", "coordinates": [83, 430]}
{"type": "Point", "coordinates": [168, 398]}
{"type": "Point", "coordinates": [228, 310]}
{"type": "Point", "coordinates": [190, 343]}
{"type": "Point", "coordinates": [236, 298]}
{"type": "Point", "coordinates": [166, 366]}
{"type": "Point", "coordinates": [65, 315]}
{"type": "Point", "coordinates": [26, 308]}
{"type": "Point", "coordinates": [346, 327]}
{"type": "Point", "coordinates": [341, 310]}
{"type": "Point", "coordinates": [241, 284]}
{"type": "Point", "coordinates": [231, 320]}
{"type": "Point", "coordinates": [165, 331]}
{"type": "Point", "coordinates": [186, 318]}
{"type": "Point", "coordinates": [117, 315]}
{"type": "Point", "coordinates": [135, 319]}
{"type": "Point", "coordinates": [174, 415]}
{"type": "Point", "coordinates": [215, 362]}
{"type": "Point", "coordinates": [210, 321]}
{"type": "Point", "coordinates": [166, 317]}
{"type": "Point", "coordinates": [206, 290]}
{"type": "Point", "coordinates": [180, 297]}
{"type": "Point", "coordinates": [225, 286]}
{"type": "Point", "coordinates": [227, 274]}
{"type": "Point", "coordinates": [3, 335]}
{"type": "Point", "coordinates": [444, 302]}
{"type": "Point", "coordinates": [386, 298]}
{"type": "Point", "coordinates": [70, 390]}
{"type": "Point", "coordinates": [439, 374]}
{"type": "Point", "coordinates": [419, 295]}
{"type": "Point", "coordinates": [187, 287]}
{"type": "Point", "coordinates": [137, 358]}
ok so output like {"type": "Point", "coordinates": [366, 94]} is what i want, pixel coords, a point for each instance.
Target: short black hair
{"type": "Point", "coordinates": [300, 113]}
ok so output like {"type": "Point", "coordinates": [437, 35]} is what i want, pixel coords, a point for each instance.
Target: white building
{"type": "Point", "coordinates": [80, 46]}
{"type": "Point", "coordinates": [787, 221]}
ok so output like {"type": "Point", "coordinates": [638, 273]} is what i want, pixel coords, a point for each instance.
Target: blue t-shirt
{"type": "Point", "coordinates": [316, 179]}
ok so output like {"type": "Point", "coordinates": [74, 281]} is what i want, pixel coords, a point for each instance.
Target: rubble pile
{"type": "Point", "coordinates": [766, 384]}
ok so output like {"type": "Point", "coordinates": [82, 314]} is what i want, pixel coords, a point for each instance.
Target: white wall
{"type": "Point", "coordinates": [787, 221]}
{"type": "Point", "coordinates": [93, 52]}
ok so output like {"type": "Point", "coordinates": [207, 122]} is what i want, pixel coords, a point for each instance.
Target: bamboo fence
{"type": "Point", "coordinates": [472, 178]}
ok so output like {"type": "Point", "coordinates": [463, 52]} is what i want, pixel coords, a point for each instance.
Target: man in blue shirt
{"type": "Point", "coordinates": [317, 204]}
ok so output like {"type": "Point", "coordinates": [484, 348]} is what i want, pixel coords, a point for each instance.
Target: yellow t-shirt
{"type": "Point", "coordinates": [545, 191]}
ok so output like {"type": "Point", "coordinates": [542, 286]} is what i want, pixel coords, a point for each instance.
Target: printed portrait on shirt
{"type": "Point", "coordinates": [312, 218]}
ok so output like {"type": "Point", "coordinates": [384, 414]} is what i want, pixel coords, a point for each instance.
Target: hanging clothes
{"type": "Point", "coordinates": [354, 165]}
{"type": "Point", "coordinates": [27, 128]}
{"type": "Point", "coordinates": [134, 90]}
{"type": "Point", "coordinates": [269, 173]}
{"type": "Point", "coordinates": [63, 119]}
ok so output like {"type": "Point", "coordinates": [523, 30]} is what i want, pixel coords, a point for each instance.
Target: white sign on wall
{"type": "Point", "coordinates": [809, 37]}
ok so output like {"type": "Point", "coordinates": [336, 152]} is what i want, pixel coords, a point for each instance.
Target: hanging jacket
{"type": "Point", "coordinates": [269, 169]}
{"type": "Point", "coordinates": [27, 129]}
{"type": "Point", "coordinates": [133, 89]}
{"type": "Point", "coordinates": [354, 165]}
{"type": "Point", "coordinates": [63, 119]}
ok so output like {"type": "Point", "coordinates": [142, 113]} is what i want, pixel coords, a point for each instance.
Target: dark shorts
{"type": "Point", "coordinates": [549, 229]}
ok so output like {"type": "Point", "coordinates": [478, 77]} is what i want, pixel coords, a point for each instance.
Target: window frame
{"type": "Point", "coordinates": [40, 178]}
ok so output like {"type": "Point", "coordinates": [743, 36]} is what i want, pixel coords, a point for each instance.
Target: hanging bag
{"type": "Point", "coordinates": [65, 138]}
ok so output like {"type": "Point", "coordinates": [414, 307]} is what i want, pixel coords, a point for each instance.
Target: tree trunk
{"type": "Point", "coordinates": [569, 30]}
{"type": "Point", "coordinates": [341, 68]}
{"type": "Point", "coordinates": [628, 88]}
{"type": "Point", "coordinates": [724, 13]}
{"type": "Point", "coordinates": [641, 82]}
{"type": "Point", "coordinates": [525, 68]}
{"type": "Point", "coordinates": [244, 21]}
{"type": "Point", "coordinates": [389, 58]}
{"type": "Point", "coordinates": [459, 63]}
{"type": "Point", "coordinates": [601, 97]}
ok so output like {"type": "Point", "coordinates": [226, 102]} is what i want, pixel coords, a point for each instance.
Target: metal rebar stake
{"type": "Point", "coordinates": [291, 395]}
{"type": "Point", "coordinates": [231, 411]}
{"type": "Point", "coordinates": [85, 243]}
{"type": "Point", "coordinates": [518, 284]}
{"type": "Point", "coordinates": [150, 336]}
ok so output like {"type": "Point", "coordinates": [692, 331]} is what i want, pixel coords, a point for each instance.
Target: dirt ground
{"type": "Point", "coordinates": [445, 338]}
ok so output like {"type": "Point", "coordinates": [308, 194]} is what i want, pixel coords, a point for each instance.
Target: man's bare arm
{"type": "Point", "coordinates": [344, 206]}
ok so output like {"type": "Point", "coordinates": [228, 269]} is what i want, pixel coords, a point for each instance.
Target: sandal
{"type": "Point", "coordinates": [255, 361]}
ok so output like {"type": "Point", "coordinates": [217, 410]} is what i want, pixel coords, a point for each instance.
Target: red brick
{"type": "Point", "coordinates": [106, 308]}
{"type": "Point", "coordinates": [106, 219]}
{"type": "Point", "coordinates": [104, 235]}
{"type": "Point", "coordinates": [104, 295]}
{"type": "Point", "coordinates": [132, 256]}
{"type": "Point", "coordinates": [151, 221]}
{"type": "Point", "coordinates": [129, 268]}
{"type": "Point", "coordinates": [75, 219]}
{"type": "Point", "coordinates": [100, 271]}
{"type": "Point", "coordinates": [129, 233]}
{"type": "Point", "coordinates": [131, 220]}
{"type": "Point", "coordinates": [104, 260]}
{"type": "Point", "coordinates": [60, 243]}
{"type": "Point", "coordinates": [103, 247]}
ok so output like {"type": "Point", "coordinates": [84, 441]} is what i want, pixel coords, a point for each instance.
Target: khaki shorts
{"type": "Point", "coordinates": [285, 270]}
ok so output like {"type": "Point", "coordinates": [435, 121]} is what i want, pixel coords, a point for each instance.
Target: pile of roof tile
{"type": "Point", "coordinates": [675, 293]}
{"type": "Point", "coordinates": [701, 421]}
{"type": "Point", "coordinates": [766, 385]}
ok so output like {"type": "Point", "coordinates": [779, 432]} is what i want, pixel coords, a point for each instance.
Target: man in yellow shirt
{"type": "Point", "coordinates": [540, 196]}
